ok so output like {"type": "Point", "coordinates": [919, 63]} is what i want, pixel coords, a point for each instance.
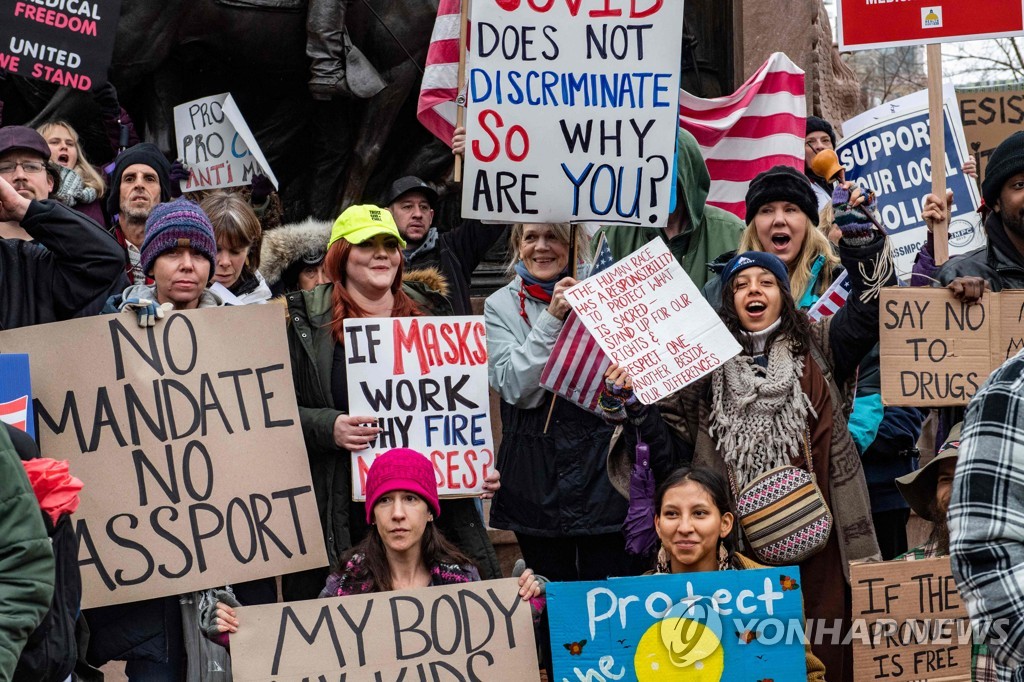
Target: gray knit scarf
{"type": "Point", "coordinates": [758, 416]}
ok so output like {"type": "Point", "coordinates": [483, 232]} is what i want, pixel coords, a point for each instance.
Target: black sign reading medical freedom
{"type": "Point", "coordinates": [64, 42]}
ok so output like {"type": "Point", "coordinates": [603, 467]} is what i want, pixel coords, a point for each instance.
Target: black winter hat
{"type": "Point", "coordinates": [1006, 161]}
{"type": "Point", "coordinates": [816, 124]}
{"type": "Point", "coordinates": [145, 153]}
{"type": "Point", "coordinates": [781, 183]}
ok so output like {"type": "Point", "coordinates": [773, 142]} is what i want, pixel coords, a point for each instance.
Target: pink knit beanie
{"type": "Point", "coordinates": [401, 469]}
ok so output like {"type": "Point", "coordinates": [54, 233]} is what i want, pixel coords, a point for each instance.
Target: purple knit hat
{"type": "Point", "coordinates": [401, 469]}
{"type": "Point", "coordinates": [178, 223]}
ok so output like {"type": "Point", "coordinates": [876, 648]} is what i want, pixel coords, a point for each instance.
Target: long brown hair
{"type": "Point", "coordinates": [374, 575]}
{"type": "Point", "coordinates": [794, 324]}
{"type": "Point", "coordinates": [343, 306]}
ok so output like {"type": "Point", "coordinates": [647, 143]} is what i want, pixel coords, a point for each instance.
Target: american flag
{"type": "Point", "coordinates": [575, 369]}
{"type": "Point", "coordinates": [436, 108]}
{"type": "Point", "coordinates": [15, 412]}
{"type": "Point", "coordinates": [832, 300]}
{"type": "Point", "coordinates": [759, 126]}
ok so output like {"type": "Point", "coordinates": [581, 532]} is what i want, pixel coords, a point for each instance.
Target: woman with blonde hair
{"type": "Point", "coordinates": [81, 185]}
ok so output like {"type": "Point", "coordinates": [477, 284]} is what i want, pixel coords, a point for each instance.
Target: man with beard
{"type": "Point", "coordinates": [928, 492]}
{"type": "Point", "coordinates": [1000, 264]}
{"type": "Point", "coordinates": [140, 181]}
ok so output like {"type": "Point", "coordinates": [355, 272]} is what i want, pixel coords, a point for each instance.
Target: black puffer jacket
{"type": "Point", "coordinates": [79, 263]}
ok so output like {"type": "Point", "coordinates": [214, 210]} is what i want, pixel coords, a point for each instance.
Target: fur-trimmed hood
{"type": "Point", "coordinates": [431, 278]}
{"type": "Point", "coordinates": [286, 244]}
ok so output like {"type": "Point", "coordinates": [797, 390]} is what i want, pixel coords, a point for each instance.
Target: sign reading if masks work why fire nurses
{"type": "Point", "coordinates": [888, 151]}
{"type": "Point", "coordinates": [572, 108]}
{"type": "Point", "coordinates": [188, 443]}
{"type": "Point", "coordinates": [424, 382]}
{"type": "Point", "coordinates": [64, 42]}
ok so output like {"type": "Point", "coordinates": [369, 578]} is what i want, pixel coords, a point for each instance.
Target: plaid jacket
{"type": "Point", "coordinates": [983, 666]}
{"type": "Point", "coordinates": [986, 516]}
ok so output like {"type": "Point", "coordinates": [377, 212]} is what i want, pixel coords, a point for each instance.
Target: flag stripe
{"type": "Point", "coordinates": [436, 108]}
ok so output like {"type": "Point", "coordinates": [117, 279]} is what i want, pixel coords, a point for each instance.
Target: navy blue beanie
{"type": "Point", "coordinates": [759, 259]}
{"type": "Point", "coordinates": [147, 154]}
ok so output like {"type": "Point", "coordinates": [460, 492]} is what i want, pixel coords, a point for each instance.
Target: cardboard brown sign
{"type": "Point", "coordinates": [913, 622]}
{"type": "Point", "coordinates": [989, 117]}
{"type": "Point", "coordinates": [935, 350]}
{"type": "Point", "coordinates": [187, 438]}
{"type": "Point", "coordinates": [452, 633]}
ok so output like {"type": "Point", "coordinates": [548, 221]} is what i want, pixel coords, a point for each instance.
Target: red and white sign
{"type": "Point", "coordinates": [871, 24]}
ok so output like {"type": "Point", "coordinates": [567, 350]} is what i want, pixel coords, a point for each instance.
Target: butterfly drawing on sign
{"type": "Point", "coordinates": [575, 648]}
{"type": "Point", "coordinates": [747, 636]}
{"type": "Point", "coordinates": [788, 583]}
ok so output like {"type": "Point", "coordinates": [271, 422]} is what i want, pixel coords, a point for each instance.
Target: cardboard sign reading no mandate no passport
{"type": "Point", "coordinates": [187, 439]}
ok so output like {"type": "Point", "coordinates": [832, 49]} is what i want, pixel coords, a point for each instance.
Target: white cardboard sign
{"type": "Point", "coordinates": [649, 316]}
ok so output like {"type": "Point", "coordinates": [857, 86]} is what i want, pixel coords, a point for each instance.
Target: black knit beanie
{"type": "Point", "coordinates": [820, 125]}
{"type": "Point", "coordinates": [781, 183]}
{"type": "Point", "coordinates": [147, 154]}
{"type": "Point", "coordinates": [1006, 161]}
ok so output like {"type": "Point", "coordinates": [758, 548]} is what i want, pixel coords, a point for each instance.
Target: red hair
{"type": "Point", "coordinates": [343, 306]}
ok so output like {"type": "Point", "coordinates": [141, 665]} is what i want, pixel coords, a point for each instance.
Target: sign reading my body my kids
{"type": "Point", "coordinates": [649, 317]}
{"type": "Point", "coordinates": [188, 443]}
{"type": "Point", "coordinates": [425, 380]}
{"type": "Point", "coordinates": [695, 626]}
{"type": "Point", "coordinates": [887, 150]}
{"type": "Point", "coordinates": [450, 633]}
{"type": "Point", "coordinates": [64, 42]}
{"type": "Point", "coordinates": [216, 144]}
{"type": "Point", "coordinates": [572, 110]}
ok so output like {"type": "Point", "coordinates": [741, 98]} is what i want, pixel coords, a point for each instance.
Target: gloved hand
{"type": "Point", "coordinates": [148, 311]}
{"type": "Point", "coordinates": [619, 403]}
{"type": "Point", "coordinates": [106, 97]}
{"type": "Point", "coordinates": [851, 206]}
{"type": "Point", "coordinates": [260, 189]}
{"type": "Point", "coordinates": [178, 172]}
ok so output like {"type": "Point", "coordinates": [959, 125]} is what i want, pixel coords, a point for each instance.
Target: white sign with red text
{"type": "Point", "coordinates": [425, 381]}
{"type": "Point", "coordinates": [649, 317]}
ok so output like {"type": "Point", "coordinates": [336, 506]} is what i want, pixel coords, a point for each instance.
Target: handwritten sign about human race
{"type": "Point", "coordinates": [64, 42]}
{"type": "Point", "coordinates": [572, 110]}
{"type": "Point", "coordinates": [650, 318]}
{"type": "Point", "coordinates": [451, 633]}
{"type": "Point", "coordinates": [909, 622]}
{"type": "Point", "coordinates": [188, 443]}
{"type": "Point", "coordinates": [936, 351]}
{"type": "Point", "coordinates": [425, 380]}
{"type": "Point", "coordinates": [216, 144]}
{"type": "Point", "coordinates": [695, 626]}
{"type": "Point", "coordinates": [888, 150]}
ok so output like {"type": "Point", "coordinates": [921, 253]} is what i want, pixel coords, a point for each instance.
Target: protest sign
{"type": "Point", "coordinates": [871, 24]}
{"type": "Point", "coordinates": [188, 442]}
{"type": "Point", "coordinates": [16, 392]}
{"type": "Point", "coordinates": [472, 631]}
{"type": "Point", "coordinates": [649, 317]}
{"type": "Point", "coordinates": [64, 42]}
{"type": "Point", "coordinates": [704, 626]}
{"type": "Point", "coordinates": [887, 150]}
{"type": "Point", "coordinates": [989, 116]}
{"type": "Point", "coordinates": [216, 144]}
{"type": "Point", "coordinates": [935, 350]}
{"type": "Point", "coordinates": [425, 380]}
{"type": "Point", "coordinates": [572, 110]}
{"type": "Point", "coordinates": [909, 622]}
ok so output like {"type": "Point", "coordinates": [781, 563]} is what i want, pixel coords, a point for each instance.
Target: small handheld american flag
{"type": "Point", "coordinates": [832, 300]}
{"type": "Point", "coordinates": [575, 370]}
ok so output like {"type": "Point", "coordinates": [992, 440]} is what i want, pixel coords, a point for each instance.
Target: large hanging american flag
{"type": "Point", "coordinates": [436, 107]}
{"type": "Point", "coordinates": [759, 126]}
{"type": "Point", "coordinates": [832, 300]}
{"type": "Point", "coordinates": [575, 370]}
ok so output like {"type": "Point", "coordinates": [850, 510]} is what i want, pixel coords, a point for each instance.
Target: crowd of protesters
{"type": "Point", "coordinates": [77, 242]}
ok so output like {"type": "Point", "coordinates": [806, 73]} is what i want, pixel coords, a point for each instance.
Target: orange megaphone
{"type": "Point", "coordinates": [825, 164]}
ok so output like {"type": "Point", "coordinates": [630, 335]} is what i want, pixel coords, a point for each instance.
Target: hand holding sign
{"type": "Point", "coordinates": [559, 306]}
{"type": "Point", "coordinates": [352, 434]}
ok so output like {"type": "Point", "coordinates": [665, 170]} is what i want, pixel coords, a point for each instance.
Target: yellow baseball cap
{"type": "Point", "coordinates": [359, 223]}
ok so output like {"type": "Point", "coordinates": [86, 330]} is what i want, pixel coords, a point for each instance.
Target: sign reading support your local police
{"type": "Point", "coordinates": [188, 443]}
{"type": "Point", "coordinates": [572, 110]}
{"type": "Point", "coordinates": [64, 42]}
{"type": "Point", "coordinates": [425, 381]}
{"type": "Point", "coordinates": [871, 24]}
{"type": "Point", "coordinates": [888, 150]}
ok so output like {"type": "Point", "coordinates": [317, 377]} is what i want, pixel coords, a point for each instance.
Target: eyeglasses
{"type": "Point", "coordinates": [27, 166]}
